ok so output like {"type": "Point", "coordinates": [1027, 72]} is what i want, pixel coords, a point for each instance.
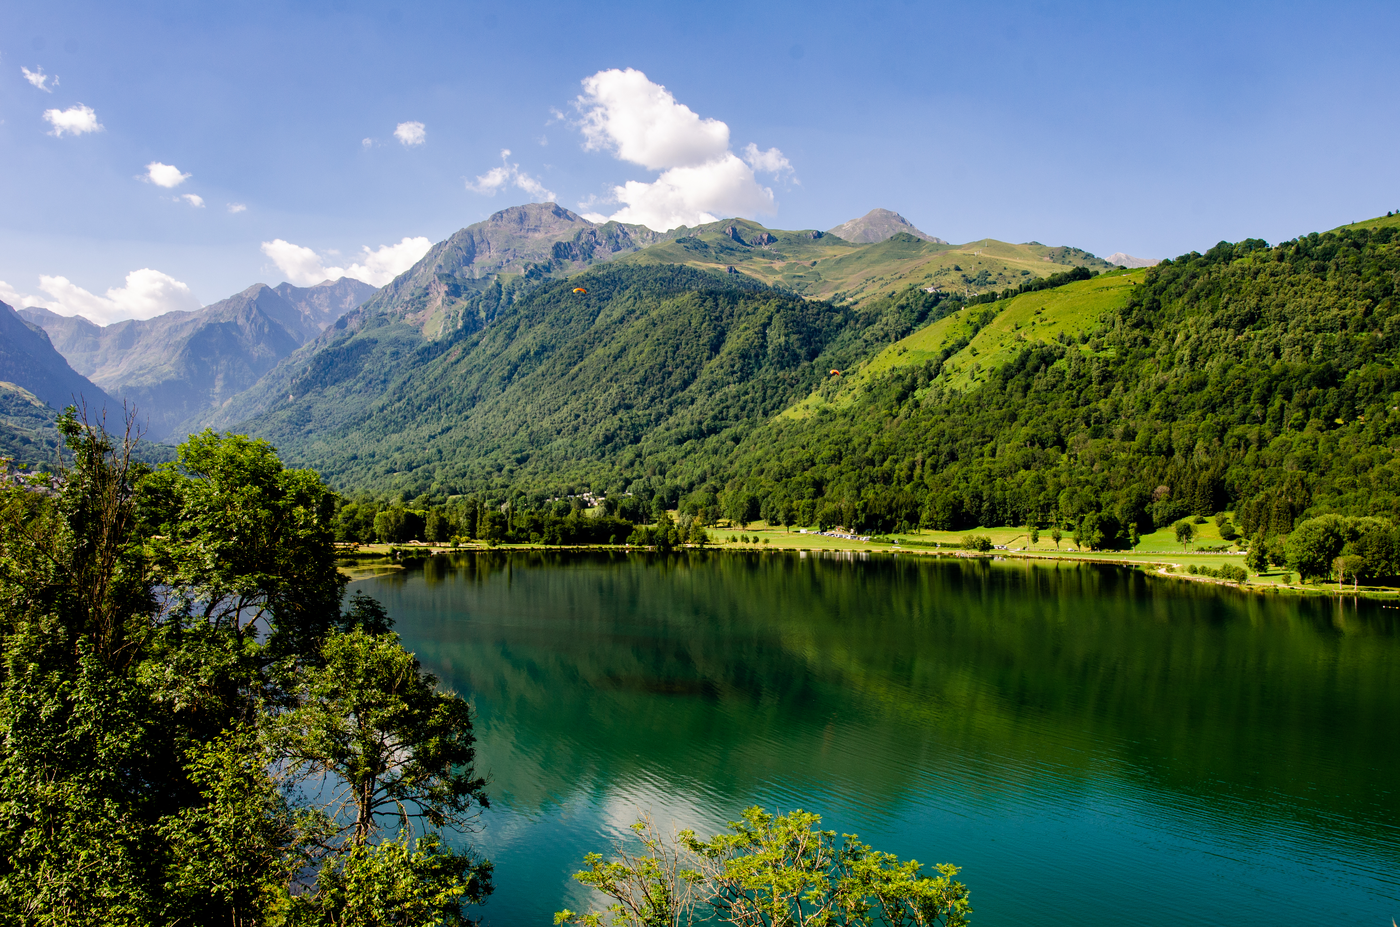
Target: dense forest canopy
{"type": "Point", "coordinates": [1250, 378]}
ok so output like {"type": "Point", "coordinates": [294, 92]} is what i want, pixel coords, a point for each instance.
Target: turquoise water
{"type": "Point", "coordinates": [1091, 746]}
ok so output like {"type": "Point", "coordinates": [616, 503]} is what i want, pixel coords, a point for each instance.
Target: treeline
{"type": "Point", "coordinates": [1258, 379]}
{"type": "Point", "coordinates": [520, 519]}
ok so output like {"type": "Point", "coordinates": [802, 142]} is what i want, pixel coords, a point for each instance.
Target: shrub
{"type": "Point", "coordinates": [977, 542]}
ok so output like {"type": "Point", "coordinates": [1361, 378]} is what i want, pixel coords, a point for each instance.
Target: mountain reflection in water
{"type": "Point", "coordinates": [1092, 745]}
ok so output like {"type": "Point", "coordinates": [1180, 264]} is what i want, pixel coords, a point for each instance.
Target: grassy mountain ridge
{"type": "Point", "coordinates": [819, 265]}
{"type": "Point", "coordinates": [978, 339]}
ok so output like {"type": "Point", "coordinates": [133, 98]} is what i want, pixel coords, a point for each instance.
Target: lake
{"type": "Point", "coordinates": [1091, 745]}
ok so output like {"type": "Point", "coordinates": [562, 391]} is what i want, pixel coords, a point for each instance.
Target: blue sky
{"type": "Point", "coordinates": [1112, 127]}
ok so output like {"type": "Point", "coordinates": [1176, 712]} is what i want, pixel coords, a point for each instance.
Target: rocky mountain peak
{"type": "Point", "coordinates": [878, 225]}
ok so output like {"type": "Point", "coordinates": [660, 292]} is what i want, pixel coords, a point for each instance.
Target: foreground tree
{"type": "Point", "coordinates": [770, 871]}
{"type": "Point", "coordinates": [156, 628]}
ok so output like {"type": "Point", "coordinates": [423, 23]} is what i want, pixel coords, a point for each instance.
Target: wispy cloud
{"type": "Point", "coordinates": [164, 175]}
{"type": "Point", "coordinates": [237, 207]}
{"type": "Point", "coordinates": [304, 267]}
{"type": "Point", "coordinates": [411, 133]}
{"type": "Point", "coordinates": [625, 113]}
{"type": "Point", "coordinates": [510, 175]}
{"type": "Point", "coordinates": [193, 199]}
{"type": "Point", "coordinates": [39, 79]}
{"type": "Point", "coordinates": [75, 120]}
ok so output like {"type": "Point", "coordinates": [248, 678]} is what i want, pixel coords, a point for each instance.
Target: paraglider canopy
{"type": "Point", "coordinates": [579, 289]}
{"type": "Point", "coordinates": [836, 373]}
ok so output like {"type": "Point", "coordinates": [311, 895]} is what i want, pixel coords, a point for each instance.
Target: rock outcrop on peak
{"type": "Point", "coordinates": [878, 225]}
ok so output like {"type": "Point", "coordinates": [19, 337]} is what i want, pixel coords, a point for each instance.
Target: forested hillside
{"type": "Point", "coordinates": [651, 370]}
{"type": "Point", "coordinates": [1251, 378]}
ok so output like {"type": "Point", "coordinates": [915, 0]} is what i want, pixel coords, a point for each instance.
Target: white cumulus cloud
{"type": "Point", "coordinates": [304, 267]}
{"type": "Point", "coordinates": [509, 174]}
{"type": "Point", "coordinates": [39, 79]}
{"type": "Point", "coordinates": [693, 195]}
{"type": "Point", "coordinates": [164, 175]}
{"type": "Point", "coordinates": [75, 120]}
{"type": "Point", "coordinates": [411, 133]}
{"type": "Point", "coordinates": [147, 293]}
{"type": "Point", "coordinates": [194, 199]}
{"type": "Point", "coordinates": [641, 122]}
{"type": "Point", "coordinates": [625, 113]}
{"type": "Point", "coordinates": [237, 207]}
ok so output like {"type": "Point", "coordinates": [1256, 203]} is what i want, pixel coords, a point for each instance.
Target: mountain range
{"type": "Point", "coordinates": [177, 366]}
{"type": "Point", "coordinates": [481, 367]}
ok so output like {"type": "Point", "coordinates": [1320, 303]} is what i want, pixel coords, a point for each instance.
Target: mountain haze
{"type": "Point", "coordinates": [1127, 260]}
{"type": "Point", "coordinates": [177, 365]}
{"type": "Point", "coordinates": [29, 360]}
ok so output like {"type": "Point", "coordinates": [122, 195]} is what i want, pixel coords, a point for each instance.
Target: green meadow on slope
{"type": "Point", "coordinates": [975, 340]}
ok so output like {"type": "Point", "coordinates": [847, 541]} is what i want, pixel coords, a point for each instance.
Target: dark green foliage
{"type": "Point", "coordinates": [156, 627]}
{"type": "Point", "coordinates": [1225, 571]}
{"type": "Point", "coordinates": [977, 542]}
{"type": "Point", "coordinates": [646, 382]}
{"type": "Point", "coordinates": [1255, 378]}
{"type": "Point", "coordinates": [1332, 546]}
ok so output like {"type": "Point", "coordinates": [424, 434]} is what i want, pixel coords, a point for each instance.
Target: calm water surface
{"type": "Point", "coordinates": [1091, 745]}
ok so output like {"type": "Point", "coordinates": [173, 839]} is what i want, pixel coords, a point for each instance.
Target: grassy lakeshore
{"type": "Point", "coordinates": [1158, 553]}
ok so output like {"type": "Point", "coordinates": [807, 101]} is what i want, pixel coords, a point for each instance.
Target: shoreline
{"type": "Point", "coordinates": [1151, 564]}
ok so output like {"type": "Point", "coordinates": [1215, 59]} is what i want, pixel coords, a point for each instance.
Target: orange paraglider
{"type": "Point", "coordinates": [579, 289]}
{"type": "Point", "coordinates": [836, 373]}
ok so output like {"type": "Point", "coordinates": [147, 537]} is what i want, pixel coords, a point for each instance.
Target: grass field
{"type": "Point", "coordinates": [1380, 222]}
{"type": "Point", "coordinates": [1031, 317]}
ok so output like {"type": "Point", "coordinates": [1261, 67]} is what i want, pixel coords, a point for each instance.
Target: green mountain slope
{"type": "Point", "coordinates": [653, 370]}
{"type": "Point", "coordinates": [651, 377]}
{"type": "Point", "coordinates": [974, 341]}
{"type": "Point", "coordinates": [27, 433]}
{"type": "Point", "coordinates": [1265, 380]}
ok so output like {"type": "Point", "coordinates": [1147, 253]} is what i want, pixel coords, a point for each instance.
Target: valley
{"type": "Point", "coordinates": [889, 385]}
